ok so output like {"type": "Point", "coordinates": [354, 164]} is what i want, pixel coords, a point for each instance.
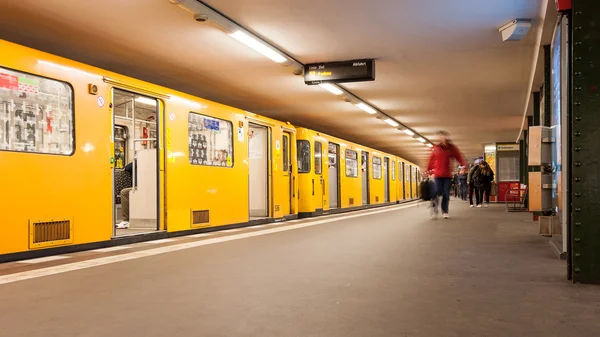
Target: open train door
{"type": "Point", "coordinates": [259, 173]}
{"type": "Point", "coordinates": [137, 162]}
{"type": "Point", "coordinates": [364, 160]}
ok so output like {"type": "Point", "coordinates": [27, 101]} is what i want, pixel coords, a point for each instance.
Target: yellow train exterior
{"type": "Point", "coordinates": [337, 175]}
{"type": "Point", "coordinates": [68, 131]}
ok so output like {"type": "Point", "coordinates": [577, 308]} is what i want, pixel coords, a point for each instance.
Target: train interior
{"type": "Point", "coordinates": [258, 162]}
{"type": "Point", "coordinates": [136, 174]}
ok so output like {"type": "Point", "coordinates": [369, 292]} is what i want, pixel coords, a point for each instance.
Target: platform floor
{"type": "Point", "coordinates": [387, 272]}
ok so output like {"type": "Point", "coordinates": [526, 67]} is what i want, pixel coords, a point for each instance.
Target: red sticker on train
{"type": "Point", "coordinates": [8, 81]}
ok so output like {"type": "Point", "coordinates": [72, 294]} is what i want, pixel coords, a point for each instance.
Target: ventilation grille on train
{"type": "Point", "coordinates": [200, 218]}
{"type": "Point", "coordinates": [351, 201]}
{"type": "Point", "coordinates": [50, 233]}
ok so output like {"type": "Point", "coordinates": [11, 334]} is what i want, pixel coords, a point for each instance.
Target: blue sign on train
{"type": "Point", "coordinates": [211, 124]}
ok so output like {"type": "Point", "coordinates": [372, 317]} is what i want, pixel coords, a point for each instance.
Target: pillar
{"type": "Point", "coordinates": [584, 152]}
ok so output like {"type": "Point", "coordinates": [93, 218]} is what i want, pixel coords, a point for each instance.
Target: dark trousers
{"type": "Point", "coordinates": [484, 189]}
{"type": "Point", "coordinates": [474, 191]}
{"type": "Point", "coordinates": [462, 193]}
{"type": "Point", "coordinates": [442, 187]}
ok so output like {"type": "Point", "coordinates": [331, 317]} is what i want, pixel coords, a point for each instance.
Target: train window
{"type": "Point", "coordinates": [303, 148]}
{"type": "Point", "coordinates": [318, 158]}
{"type": "Point", "coordinates": [393, 166]}
{"type": "Point", "coordinates": [351, 164]}
{"type": "Point", "coordinates": [210, 141]}
{"type": "Point", "coordinates": [376, 168]}
{"type": "Point", "coordinates": [36, 114]}
{"type": "Point", "coordinates": [286, 148]}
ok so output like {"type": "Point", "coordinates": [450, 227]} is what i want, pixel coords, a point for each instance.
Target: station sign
{"type": "Point", "coordinates": [339, 72]}
{"type": "Point", "coordinates": [507, 147]}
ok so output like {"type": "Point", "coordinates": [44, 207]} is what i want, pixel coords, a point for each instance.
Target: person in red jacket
{"type": "Point", "coordinates": [440, 166]}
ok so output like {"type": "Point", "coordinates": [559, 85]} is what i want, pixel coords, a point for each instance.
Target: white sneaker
{"type": "Point", "coordinates": [123, 225]}
{"type": "Point", "coordinates": [478, 206]}
{"type": "Point", "coordinates": [433, 217]}
{"type": "Point", "coordinates": [486, 205]}
{"type": "Point", "coordinates": [472, 206]}
{"type": "Point", "coordinates": [446, 216]}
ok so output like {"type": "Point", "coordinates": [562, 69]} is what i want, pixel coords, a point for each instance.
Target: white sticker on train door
{"type": "Point", "coordinates": [100, 101]}
{"type": "Point", "coordinates": [240, 134]}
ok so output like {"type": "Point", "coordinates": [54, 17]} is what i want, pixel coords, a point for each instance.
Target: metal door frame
{"type": "Point", "coordinates": [268, 142]}
{"type": "Point", "coordinates": [160, 134]}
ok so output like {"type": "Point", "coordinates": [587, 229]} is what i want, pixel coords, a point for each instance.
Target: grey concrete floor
{"type": "Point", "coordinates": [484, 272]}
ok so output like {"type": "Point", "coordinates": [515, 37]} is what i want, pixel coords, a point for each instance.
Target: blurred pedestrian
{"type": "Point", "coordinates": [440, 166]}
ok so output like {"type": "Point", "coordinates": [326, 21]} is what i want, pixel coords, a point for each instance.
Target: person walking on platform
{"type": "Point", "coordinates": [439, 165]}
{"type": "Point", "coordinates": [483, 178]}
{"type": "Point", "coordinates": [472, 190]}
{"type": "Point", "coordinates": [462, 183]}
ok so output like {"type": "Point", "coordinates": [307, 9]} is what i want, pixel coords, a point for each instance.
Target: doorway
{"type": "Point", "coordinates": [333, 162]}
{"type": "Point", "coordinates": [319, 173]}
{"type": "Point", "coordinates": [386, 179]}
{"type": "Point", "coordinates": [364, 161]}
{"type": "Point", "coordinates": [258, 171]}
{"type": "Point", "coordinates": [136, 173]}
{"type": "Point", "coordinates": [410, 181]}
{"type": "Point", "coordinates": [287, 170]}
{"type": "Point", "coordinates": [405, 182]}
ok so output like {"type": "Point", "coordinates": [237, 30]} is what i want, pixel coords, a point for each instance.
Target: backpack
{"type": "Point", "coordinates": [427, 190]}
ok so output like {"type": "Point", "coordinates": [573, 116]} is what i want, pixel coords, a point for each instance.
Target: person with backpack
{"type": "Point", "coordinates": [440, 166]}
{"type": "Point", "coordinates": [472, 190]}
{"type": "Point", "coordinates": [483, 178]}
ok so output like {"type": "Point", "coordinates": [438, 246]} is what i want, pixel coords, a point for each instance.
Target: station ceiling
{"type": "Point", "coordinates": [439, 64]}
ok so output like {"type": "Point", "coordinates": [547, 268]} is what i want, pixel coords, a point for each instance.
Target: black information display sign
{"type": "Point", "coordinates": [339, 72]}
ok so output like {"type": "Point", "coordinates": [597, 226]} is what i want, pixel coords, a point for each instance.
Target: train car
{"type": "Point", "coordinates": [92, 158]}
{"type": "Point", "coordinates": [335, 175]}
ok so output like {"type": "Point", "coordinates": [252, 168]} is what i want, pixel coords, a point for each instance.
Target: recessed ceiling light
{"type": "Point", "coordinates": [366, 108]}
{"type": "Point", "coordinates": [258, 46]}
{"type": "Point", "coordinates": [331, 88]}
{"type": "Point", "coordinates": [391, 122]}
{"type": "Point", "coordinates": [409, 132]}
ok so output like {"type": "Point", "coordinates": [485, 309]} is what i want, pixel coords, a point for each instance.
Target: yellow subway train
{"type": "Point", "coordinates": [92, 159]}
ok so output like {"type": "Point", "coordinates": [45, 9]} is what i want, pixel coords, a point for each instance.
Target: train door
{"type": "Point", "coordinates": [287, 170]}
{"type": "Point", "coordinates": [258, 171]}
{"type": "Point", "coordinates": [410, 181]}
{"type": "Point", "coordinates": [400, 180]}
{"type": "Point", "coordinates": [406, 179]}
{"type": "Point", "coordinates": [320, 191]}
{"type": "Point", "coordinates": [333, 163]}
{"type": "Point", "coordinates": [386, 179]}
{"type": "Point", "coordinates": [136, 163]}
{"type": "Point", "coordinates": [364, 160]}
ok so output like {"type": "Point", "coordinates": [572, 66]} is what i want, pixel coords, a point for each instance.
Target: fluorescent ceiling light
{"type": "Point", "coordinates": [331, 88]}
{"type": "Point", "coordinates": [258, 46]}
{"type": "Point", "coordinates": [145, 100]}
{"type": "Point", "coordinates": [391, 122]}
{"type": "Point", "coordinates": [366, 108]}
{"type": "Point", "coordinates": [429, 145]}
{"type": "Point", "coordinates": [409, 132]}
{"type": "Point", "coordinates": [421, 139]}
